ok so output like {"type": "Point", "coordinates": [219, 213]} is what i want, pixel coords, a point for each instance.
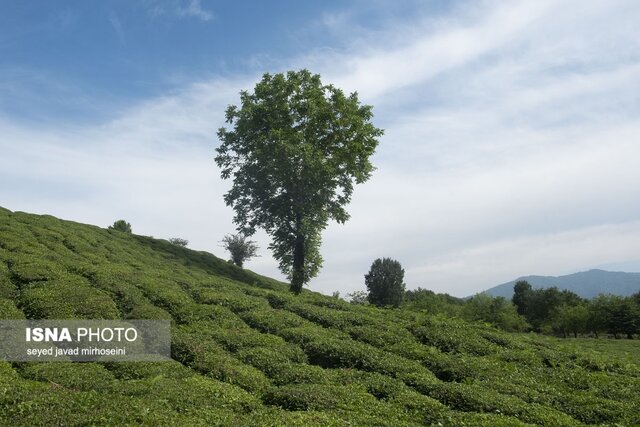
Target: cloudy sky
{"type": "Point", "coordinates": [512, 142]}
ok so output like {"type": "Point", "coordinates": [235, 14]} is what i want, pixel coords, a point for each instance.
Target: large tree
{"type": "Point", "coordinates": [295, 149]}
{"type": "Point", "coordinates": [385, 282]}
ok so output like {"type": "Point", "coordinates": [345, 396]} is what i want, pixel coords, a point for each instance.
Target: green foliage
{"type": "Point", "coordinates": [570, 319]}
{"type": "Point", "coordinates": [295, 150]}
{"type": "Point", "coordinates": [497, 311]}
{"type": "Point", "coordinates": [385, 282]}
{"type": "Point", "coordinates": [240, 248]}
{"type": "Point", "coordinates": [247, 352]}
{"type": "Point", "coordinates": [358, 298]}
{"type": "Point", "coordinates": [66, 298]}
{"type": "Point", "coordinates": [121, 225]}
{"type": "Point", "coordinates": [522, 291]}
{"type": "Point", "coordinates": [76, 376]}
{"type": "Point", "coordinates": [8, 310]}
{"type": "Point", "coordinates": [563, 312]}
{"type": "Point", "coordinates": [541, 306]}
{"type": "Point", "coordinates": [424, 299]}
{"type": "Point", "coordinates": [179, 242]}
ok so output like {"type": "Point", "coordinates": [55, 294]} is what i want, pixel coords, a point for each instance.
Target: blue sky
{"type": "Point", "coordinates": [512, 133]}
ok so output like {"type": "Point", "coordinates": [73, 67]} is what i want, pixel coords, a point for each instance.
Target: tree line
{"type": "Point", "coordinates": [559, 312]}
{"type": "Point", "coordinates": [549, 311]}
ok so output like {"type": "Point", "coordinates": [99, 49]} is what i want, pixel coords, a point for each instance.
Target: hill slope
{"type": "Point", "coordinates": [587, 284]}
{"type": "Point", "coordinates": [246, 352]}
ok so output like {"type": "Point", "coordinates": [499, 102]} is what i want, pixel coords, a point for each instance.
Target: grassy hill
{"type": "Point", "coordinates": [246, 352]}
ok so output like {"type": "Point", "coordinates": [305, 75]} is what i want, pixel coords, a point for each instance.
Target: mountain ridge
{"type": "Point", "coordinates": [587, 284]}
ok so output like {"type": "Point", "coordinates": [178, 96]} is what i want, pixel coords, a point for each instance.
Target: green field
{"type": "Point", "coordinates": [247, 352]}
{"type": "Point", "coordinates": [621, 351]}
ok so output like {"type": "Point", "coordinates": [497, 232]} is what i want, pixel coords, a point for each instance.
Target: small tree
{"type": "Point", "coordinates": [178, 241]}
{"type": "Point", "coordinates": [121, 225]}
{"type": "Point", "coordinates": [240, 248]}
{"type": "Point", "coordinates": [358, 298]}
{"type": "Point", "coordinates": [385, 282]}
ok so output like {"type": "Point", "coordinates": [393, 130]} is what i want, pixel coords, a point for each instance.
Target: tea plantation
{"type": "Point", "coordinates": [247, 352]}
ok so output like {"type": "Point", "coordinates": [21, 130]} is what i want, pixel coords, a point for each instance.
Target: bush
{"type": "Point", "coordinates": [208, 358]}
{"type": "Point", "coordinates": [177, 241]}
{"type": "Point", "coordinates": [272, 321]}
{"type": "Point", "coordinates": [193, 394]}
{"type": "Point", "coordinates": [72, 375]}
{"type": "Point", "coordinates": [454, 336]}
{"type": "Point", "coordinates": [121, 225]}
{"type": "Point", "coordinates": [25, 271]}
{"type": "Point", "coordinates": [8, 310]}
{"type": "Point", "coordinates": [7, 288]}
{"type": "Point", "coordinates": [141, 370]}
{"type": "Point", "coordinates": [71, 297]}
{"type": "Point", "coordinates": [239, 248]}
{"type": "Point", "coordinates": [298, 373]}
{"type": "Point", "coordinates": [305, 397]}
{"type": "Point", "coordinates": [423, 409]}
{"type": "Point", "coordinates": [234, 300]}
{"type": "Point", "coordinates": [380, 386]}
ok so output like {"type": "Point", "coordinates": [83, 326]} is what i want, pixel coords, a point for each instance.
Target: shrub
{"type": "Point", "coordinates": [7, 288]}
{"type": "Point", "coordinates": [272, 321]}
{"type": "Point", "coordinates": [148, 311]}
{"type": "Point", "coordinates": [67, 298]}
{"type": "Point", "coordinates": [75, 376]}
{"type": "Point", "coordinates": [423, 409]}
{"type": "Point", "coordinates": [298, 373]}
{"type": "Point", "coordinates": [121, 225]}
{"type": "Point", "coordinates": [24, 271]}
{"type": "Point", "coordinates": [235, 301]}
{"type": "Point", "coordinates": [454, 336]}
{"type": "Point", "coordinates": [305, 397]}
{"type": "Point", "coordinates": [235, 340]}
{"type": "Point", "coordinates": [380, 386]}
{"type": "Point", "coordinates": [208, 358]}
{"type": "Point", "coordinates": [192, 394]}
{"type": "Point", "coordinates": [471, 398]}
{"type": "Point", "coordinates": [177, 241]}
{"type": "Point", "coordinates": [8, 310]}
{"type": "Point", "coordinates": [164, 293]}
{"type": "Point", "coordinates": [239, 248]}
{"type": "Point", "coordinates": [141, 370]}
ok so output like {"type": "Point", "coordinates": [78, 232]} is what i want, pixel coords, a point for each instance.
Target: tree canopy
{"type": "Point", "coordinates": [295, 149]}
{"type": "Point", "coordinates": [121, 225]}
{"type": "Point", "coordinates": [240, 248]}
{"type": "Point", "coordinates": [385, 282]}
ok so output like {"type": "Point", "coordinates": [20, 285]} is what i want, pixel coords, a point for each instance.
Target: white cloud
{"type": "Point", "coordinates": [194, 9]}
{"type": "Point", "coordinates": [179, 8]}
{"type": "Point", "coordinates": [116, 24]}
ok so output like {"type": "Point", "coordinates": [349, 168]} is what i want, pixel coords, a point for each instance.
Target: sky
{"type": "Point", "coordinates": [512, 131]}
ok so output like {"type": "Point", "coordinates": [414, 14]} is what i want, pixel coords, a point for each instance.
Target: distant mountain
{"type": "Point", "coordinates": [587, 284]}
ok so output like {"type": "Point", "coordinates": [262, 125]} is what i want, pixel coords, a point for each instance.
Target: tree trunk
{"type": "Point", "coordinates": [297, 276]}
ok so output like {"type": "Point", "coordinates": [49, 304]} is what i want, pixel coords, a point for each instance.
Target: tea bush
{"type": "Point", "coordinates": [247, 352]}
{"type": "Point", "coordinates": [71, 375]}
{"type": "Point", "coordinates": [65, 298]}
